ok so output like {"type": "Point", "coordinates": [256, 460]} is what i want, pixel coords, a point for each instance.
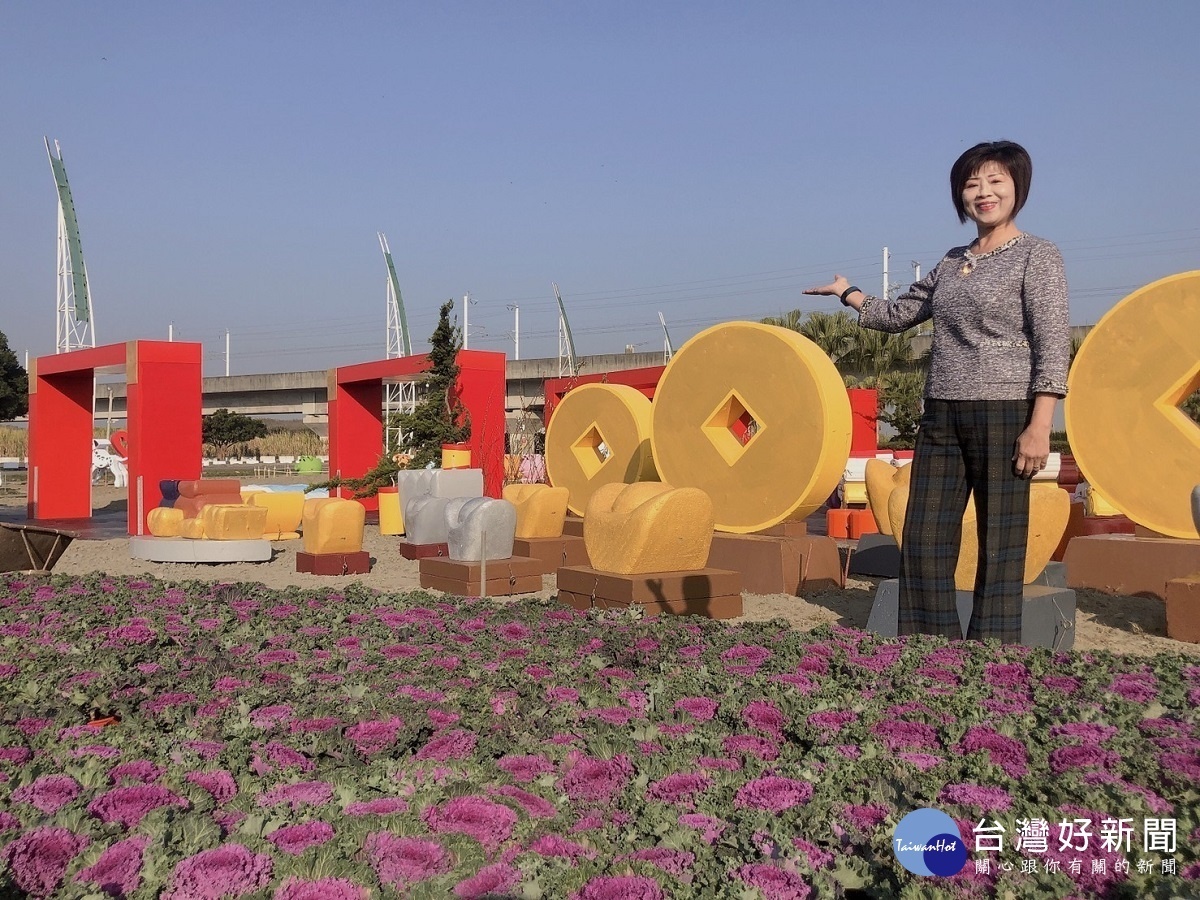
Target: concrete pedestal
{"type": "Point", "coordinates": [553, 552]}
{"type": "Point", "coordinates": [573, 525]}
{"type": "Point", "coordinates": [334, 563]}
{"type": "Point", "coordinates": [422, 551]}
{"type": "Point", "coordinates": [1128, 564]}
{"type": "Point", "coordinates": [1047, 615]}
{"type": "Point", "coordinates": [515, 575]}
{"type": "Point", "coordinates": [779, 564]}
{"type": "Point", "coordinates": [877, 555]}
{"type": "Point", "coordinates": [713, 593]}
{"type": "Point", "coordinates": [1183, 609]}
{"type": "Point", "coordinates": [186, 550]}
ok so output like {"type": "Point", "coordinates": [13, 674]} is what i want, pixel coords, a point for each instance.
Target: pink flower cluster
{"type": "Point", "coordinates": [227, 871]}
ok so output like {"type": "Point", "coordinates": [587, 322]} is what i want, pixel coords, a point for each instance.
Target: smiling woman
{"type": "Point", "coordinates": [998, 365]}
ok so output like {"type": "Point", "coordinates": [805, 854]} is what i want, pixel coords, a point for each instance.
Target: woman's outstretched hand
{"type": "Point", "coordinates": [835, 289]}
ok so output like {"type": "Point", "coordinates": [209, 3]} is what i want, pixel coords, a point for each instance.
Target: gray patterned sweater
{"type": "Point", "coordinates": [1000, 324]}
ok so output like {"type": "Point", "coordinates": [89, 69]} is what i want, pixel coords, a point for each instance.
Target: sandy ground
{"type": "Point", "coordinates": [1134, 625]}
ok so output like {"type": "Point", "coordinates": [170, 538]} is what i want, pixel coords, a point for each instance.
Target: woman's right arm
{"type": "Point", "coordinates": [911, 308]}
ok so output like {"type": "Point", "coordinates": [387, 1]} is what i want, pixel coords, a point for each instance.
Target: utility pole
{"type": "Point", "coordinates": [886, 285]}
{"type": "Point", "coordinates": [516, 329]}
{"type": "Point", "coordinates": [916, 270]}
{"type": "Point", "coordinates": [226, 352]}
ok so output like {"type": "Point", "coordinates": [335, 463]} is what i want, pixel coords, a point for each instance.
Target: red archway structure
{"type": "Point", "coordinates": [356, 413]}
{"type": "Point", "coordinates": [163, 416]}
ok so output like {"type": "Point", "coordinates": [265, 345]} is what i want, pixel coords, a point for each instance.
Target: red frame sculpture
{"type": "Point", "coordinates": [163, 420]}
{"type": "Point", "coordinates": [864, 402]}
{"type": "Point", "coordinates": [356, 413]}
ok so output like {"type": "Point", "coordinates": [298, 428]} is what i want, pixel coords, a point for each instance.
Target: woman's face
{"type": "Point", "coordinates": [989, 196]}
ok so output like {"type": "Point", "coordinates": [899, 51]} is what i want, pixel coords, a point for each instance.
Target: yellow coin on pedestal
{"type": "Point", "coordinates": [758, 418]}
{"type": "Point", "coordinates": [599, 434]}
{"type": "Point", "coordinates": [1130, 439]}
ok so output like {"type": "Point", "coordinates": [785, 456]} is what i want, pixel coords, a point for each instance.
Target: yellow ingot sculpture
{"type": "Point", "coordinates": [648, 527]}
{"type": "Point", "coordinates": [755, 416]}
{"type": "Point", "coordinates": [541, 509]}
{"type": "Point", "coordinates": [1049, 510]}
{"type": "Point", "coordinates": [227, 522]}
{"type": "Point", "coordinates": [1128, 435]}
{"type": "Point", "coordinates": [192, 528]}
{"type": "Point", "coordinates": [163, 521]}
{"type": "Point", "coordinates": [333, 525]}
{"type": "Point", "coordinates": [284, 509]}
{"type": "Point", "coordinates": [598, 435]}
{"type": "Point", "coordinates": [881, 479]}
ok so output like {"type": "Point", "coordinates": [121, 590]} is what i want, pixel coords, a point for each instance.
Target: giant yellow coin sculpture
{"type": "Point", "coordinates": [598, 435]}
{"type": "Point", "coordinates": [1131, 440]}
{"type": "Point", "coordinates": [758, 418]}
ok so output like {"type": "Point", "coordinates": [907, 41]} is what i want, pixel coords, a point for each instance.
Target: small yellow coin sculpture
{"type": "Point", "coordinates": [1130, 438]}
{"type": "Point", "coordinates": [598, 435]}
{"type": "Point", "coordinates": [758, 418]}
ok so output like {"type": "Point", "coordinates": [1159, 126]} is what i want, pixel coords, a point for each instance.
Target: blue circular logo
{"type": "Point", "coordinates": [927, 842]}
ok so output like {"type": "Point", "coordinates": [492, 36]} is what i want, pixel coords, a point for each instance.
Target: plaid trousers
{"type": "Point", "coordinates": [965, 447]}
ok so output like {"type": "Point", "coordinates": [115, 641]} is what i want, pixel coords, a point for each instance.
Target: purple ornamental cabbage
{"type": "Point", "coordinates": [38, 859]}
{"type": "Point", "coordinates": [218, 874]}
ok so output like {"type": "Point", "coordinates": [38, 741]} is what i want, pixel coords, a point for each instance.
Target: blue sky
{"type": "Point", "coordinates": [231, 163]}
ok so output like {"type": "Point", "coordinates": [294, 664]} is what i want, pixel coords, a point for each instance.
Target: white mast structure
{"type": "Point", "coordinates": [567, 362]}
{"type": "Point", "coordinates": [75, 326]}
{"type": "Point", "coordinates": [398, 397]}
{"type": "Point", "coordinates": [668, 350]}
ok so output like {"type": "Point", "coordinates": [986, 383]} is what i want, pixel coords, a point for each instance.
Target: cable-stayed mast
{"type": "Point", "coordinates": [398, 398]}
{"type": "Point", "coordinates": [668, 350]}
{"type": "Point", "coordinates": [566, 344]}
{"type": "Point", "coordinates": [74, 322]}
{"type": "Point", "coordinates": [398, 343]}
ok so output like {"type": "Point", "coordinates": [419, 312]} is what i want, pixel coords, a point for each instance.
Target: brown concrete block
{"type": "Point", "coordinates": [779, 565]}
{"type": "Point", "coordinates": [1183, 609]}
{"type": "Point", "coordinates": [573, 525]}
{"type": "Point", "coordinates": [649, 587]}
{"type": "Point", "coordinates": [516, 575]}
{"type": "Point", "coordinates": [1143, 532]}
{"type": "Point", "coordinates": [726, 607]}
{"type": "Point", "coordinates": [1127, 564]}
{"type": "Point", "coordinates": [422, 551]}
{"type": "Point", "coordinates": [334, 563]}
{"type": "Point", "coordinates": [785, 529]}
{"type": "Point", "coordinates": [1079, 524]}
{"type": "Point", "coordinates": [568, 550]}
{"type": "Point", "coordinates": [581, 602]}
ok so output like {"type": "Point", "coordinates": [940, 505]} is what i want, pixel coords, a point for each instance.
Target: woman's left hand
{"type": "Point", "coordinates": [1033, 451]}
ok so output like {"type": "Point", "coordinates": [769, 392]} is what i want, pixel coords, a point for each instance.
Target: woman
{"type": "Point", "coordinates": [998, 364]}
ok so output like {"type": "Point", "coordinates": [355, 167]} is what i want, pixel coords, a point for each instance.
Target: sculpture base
{"type": "Point", "coordinates": [515, 575]}
{"type": "Point", "coordinates": [712, 593]}
{"type": "Point", "coordinates": [573, 525]}
{"type": "Point", "coordinates": [1183, 609]}
{"type": "Point", "coordinates": [779, 565]}
{"type": "Point", "coordinates": [423, 551]}
{"type": "Point", "coordinates": [1127, 564]}
{"type": "Point", "coordinates": [785, 529]}
{"type": "Point", "coordinates": [553, 552]}
{"type": "Point", "coordinates": [334, 563]}
{"type": "Point", "coordinates": [187, 550]}
{"type": "Point", "coordinates": [877, 555]}
{"type": "Point", "coordinates": [1079, 525]}
{"type": "Point", "coordinates": [1047, 614]}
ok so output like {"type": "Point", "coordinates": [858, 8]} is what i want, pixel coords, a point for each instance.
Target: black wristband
{"type": "Point", "coordinates": [846, 293]}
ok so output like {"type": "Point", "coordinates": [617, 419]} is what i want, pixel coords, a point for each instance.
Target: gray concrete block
{"type": "Point", "coordinates": [1054, 575]}
{"type": "Point", "coordinates": [877, 555]}
{"type": "Point", "coordinates": [187, 550]}
{"type": "Point", "coordinates": [1047, 615]}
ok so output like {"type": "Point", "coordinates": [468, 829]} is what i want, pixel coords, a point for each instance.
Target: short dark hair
{"type": "Point", "coordinates": [1013, 157]}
